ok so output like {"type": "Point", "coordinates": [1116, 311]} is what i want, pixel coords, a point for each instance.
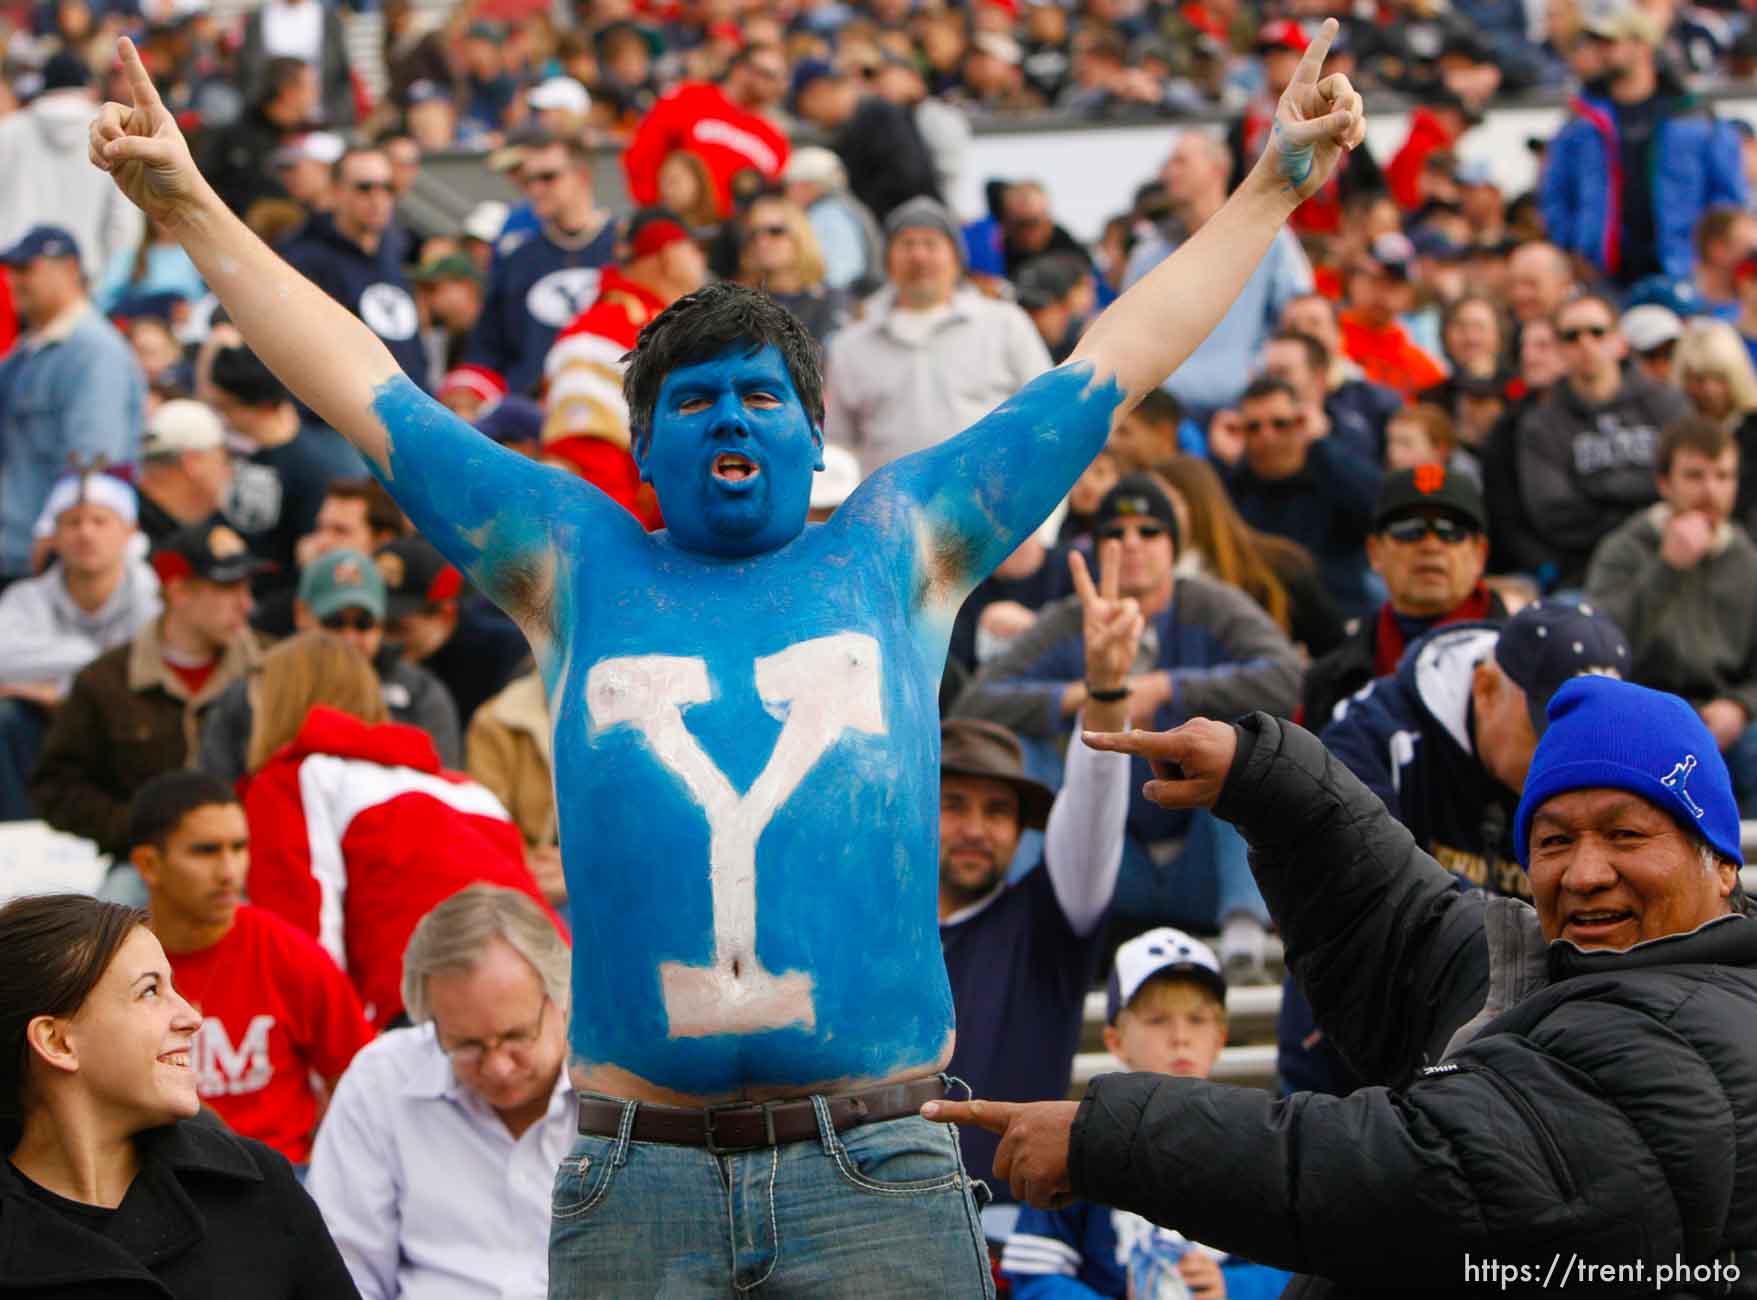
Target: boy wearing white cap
{"type": "Point", "coordinates": [1166, 1015]}
{"type": "Point", "coordinates": [96, 596]}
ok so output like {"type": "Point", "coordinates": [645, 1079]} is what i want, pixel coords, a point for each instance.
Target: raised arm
{"type": "Point", "coordinates": [488, 508]}
{"type": "Point", "coordinates": [982, 491]}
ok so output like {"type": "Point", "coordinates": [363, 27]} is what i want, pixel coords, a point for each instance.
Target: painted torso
{"type": "Point", "coordinates": [747, 750]}
{"type": "Point", "coordinates": [775, 719]}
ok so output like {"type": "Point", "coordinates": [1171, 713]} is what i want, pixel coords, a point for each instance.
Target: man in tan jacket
{"type": "Point", "coordinates": [507, 749]}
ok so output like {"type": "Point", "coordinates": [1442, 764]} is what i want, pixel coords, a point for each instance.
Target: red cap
{"type": "Point", "coordinates": [652, 229]}
{"type": "Point", "coordinates": [480, 380]}
{"type": "Point", "coordinates": [1283, 34]}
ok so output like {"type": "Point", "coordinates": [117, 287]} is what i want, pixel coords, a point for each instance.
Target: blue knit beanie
{"type": "Point", "coordinates": [1610, 734]}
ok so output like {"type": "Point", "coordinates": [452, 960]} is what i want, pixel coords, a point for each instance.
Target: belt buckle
{"type": "Point", "coordinates": [712, 1142]}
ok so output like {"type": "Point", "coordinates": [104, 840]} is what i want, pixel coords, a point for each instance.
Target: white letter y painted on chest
{"type": "Point", "coordinates": [820, 688]}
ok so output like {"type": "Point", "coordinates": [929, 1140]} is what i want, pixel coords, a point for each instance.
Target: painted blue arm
{"type": "Point", "coordinates": [979, 494]}
{"type": "Point", "coordinates": [499, 516]}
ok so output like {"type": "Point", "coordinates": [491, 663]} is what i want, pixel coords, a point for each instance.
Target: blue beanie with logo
{"type": "Point", "coordinates": [1610, 734]}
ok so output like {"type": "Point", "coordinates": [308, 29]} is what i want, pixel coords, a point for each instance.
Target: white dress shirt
{"type": "Point", "coordinates": [424, 1188]}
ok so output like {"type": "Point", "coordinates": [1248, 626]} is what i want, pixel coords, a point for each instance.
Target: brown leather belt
{"type": "Point", "coordinates": [750, 1125]}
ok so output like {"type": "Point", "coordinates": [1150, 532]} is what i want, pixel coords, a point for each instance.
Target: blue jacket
{"type": "Point", "coordinates": [1327, 507]}
{"type": "Point", "coordinates": [1408, 737]}
{"type": "Point", "coordinates": [371, 285]}
{"type": "Point", "coordinates": [1083, 1250]}
{"type": "Point", "coordinates": [80, 392]}
{"type": "Point", "coordinates": [536, 286]}
{"type": "Point", "coordinates": [1695, 164]}
{"type": "Point", "coordinates": [1224, 654]}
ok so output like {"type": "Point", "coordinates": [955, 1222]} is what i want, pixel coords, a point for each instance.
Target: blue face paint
{"type": "Point", "coordinates": [747, 743]}
{"type": "Point", "coordinates": [737, 411]}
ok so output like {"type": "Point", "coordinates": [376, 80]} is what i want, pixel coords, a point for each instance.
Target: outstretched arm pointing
{"type": "Point", "coordinates": [330, 359]}
{"type": "Point", "coordinates": [1148, 332]}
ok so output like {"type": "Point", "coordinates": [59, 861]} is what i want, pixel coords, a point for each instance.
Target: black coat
{"type": "Point", "coordinates": [1609, 1115]}
{"type": "Point", "coordinates": [210, 1216]}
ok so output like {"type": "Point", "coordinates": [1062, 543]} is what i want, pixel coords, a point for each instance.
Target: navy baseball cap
{"type": "Point", "coordinates": [41, 241]}
{"type": "Point", "coordinates": [1549, 643]}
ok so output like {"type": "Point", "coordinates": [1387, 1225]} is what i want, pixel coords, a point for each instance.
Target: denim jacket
{"type": "Point", "coordinates": [73, 387]}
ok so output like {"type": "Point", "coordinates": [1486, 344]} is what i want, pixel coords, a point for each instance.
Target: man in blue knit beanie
{"type": "Point", "coordinates": [1572, 1080]}
{"type": "Point", "coordinates": [1627, 825]}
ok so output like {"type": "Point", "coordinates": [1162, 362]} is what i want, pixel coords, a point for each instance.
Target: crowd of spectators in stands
{"type": "Point", "coordinates": [1446, 433]}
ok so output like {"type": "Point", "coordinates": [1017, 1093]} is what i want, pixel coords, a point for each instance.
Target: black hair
{"type": "Point", "coordinates": [54, 948]}
{"type": "Point", "coordinates": [159, 806]}
{"type": "Point", "coordinates": [702, 325]}
{"type": "Point", "coordinates": [277, 75]}
{"type": "Point", "coordinates": [241, 375]}
{"type": "Point", "coordinates": [1159, 407]}
{"type": "Point", "coordinates": [1267, 386]}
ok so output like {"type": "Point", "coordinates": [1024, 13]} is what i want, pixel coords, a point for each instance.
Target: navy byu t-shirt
{"type": "Point", "coordinates": [1019, 978]}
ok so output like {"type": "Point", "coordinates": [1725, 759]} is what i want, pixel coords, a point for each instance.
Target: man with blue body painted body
{"type": "Point", "coordinates": [745, 729]}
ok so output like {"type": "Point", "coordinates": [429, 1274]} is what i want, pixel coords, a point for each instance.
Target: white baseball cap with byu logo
{"type": "Point", "coordinates": [1164, 951]}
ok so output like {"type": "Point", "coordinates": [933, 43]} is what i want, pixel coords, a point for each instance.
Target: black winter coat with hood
{"type": "Point", "coordinates": [1531, 1102]}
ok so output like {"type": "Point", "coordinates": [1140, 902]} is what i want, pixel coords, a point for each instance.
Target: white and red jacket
{"type": "Point", "coordinates": [356, 833]}
{"type": "Point", "coordinates": [698, 117]}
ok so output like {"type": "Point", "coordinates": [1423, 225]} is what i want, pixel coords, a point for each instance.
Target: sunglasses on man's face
{"type": "Point", "coordinates": [1281, 424]}
{"type": "Point", "coordinates": [370, 187]}
{"type": "Point", "coordinates": [1146, 532]}
{"type": "Point", "coordinates": [350, 620]}
{"type": "Point", "coordinates": [1413, 529]}
{"type": "Point", "coordinates": [1583, 331]}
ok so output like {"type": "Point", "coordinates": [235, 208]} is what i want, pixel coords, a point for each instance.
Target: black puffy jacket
{"type": "Point", "coordinates": [1609, 1116]}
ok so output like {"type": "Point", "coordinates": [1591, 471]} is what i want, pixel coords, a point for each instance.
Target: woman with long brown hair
{"type": "Point", "coordinates": [111, 1187]}
{"type": "Point", "coordinates": [1278, 574]}
{"type": "Point", "coordinates": [356, 831]}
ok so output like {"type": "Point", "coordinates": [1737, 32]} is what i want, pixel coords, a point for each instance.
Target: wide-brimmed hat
{"type": "Point", "coordinates": [974, 747]}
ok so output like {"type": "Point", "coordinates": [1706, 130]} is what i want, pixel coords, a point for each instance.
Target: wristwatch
{"type": "Point", "coordinates": [1107, 697]}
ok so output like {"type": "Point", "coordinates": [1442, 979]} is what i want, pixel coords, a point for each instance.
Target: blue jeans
{"type": "Point", "coordinates": [22, 728]}
{"type": "Point", "coordinates": [878, 1210]}
{"type": "Point", "coordinates": [1208, 881]}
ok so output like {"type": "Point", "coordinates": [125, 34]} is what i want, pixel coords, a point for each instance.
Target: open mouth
{"type": "Point", "coordinates": [178, 1060]}
{"type": "Point", "coordinates": [1596, 923]}
{"type": "Point", "coordinates": [731, 467]}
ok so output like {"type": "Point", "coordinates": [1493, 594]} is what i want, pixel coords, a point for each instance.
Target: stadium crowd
{"type": "Point", "coordinates": [1451, 448]}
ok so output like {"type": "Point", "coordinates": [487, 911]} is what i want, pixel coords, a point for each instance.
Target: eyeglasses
{"type": "Point", "coordinates": [1416, 527]}
{"type": "Point", "coordinates": [1579, 331]}
{"type": "Point", "coordinates": [350, 620]}
{"type": "Point", "coordinates": [1281, 424]}
{"type": "Point", "coordinates": [528, 179]}
{"type": "Point", "coordinates": [368, 187]}
{"type": "Point", "coordinates": [517, 1042]}
{"type": "Point", "coordinates": [1146, 532]}
{"type": "Point", "coordinates": [773, 232]}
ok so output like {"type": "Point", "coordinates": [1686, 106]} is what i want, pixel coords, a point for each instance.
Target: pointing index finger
{"type": "Point", "coordinates": [1313, 59]}
{"type": "Point", "coordinates": [991, 1115]}
{"type": "Point", "coordinates": [140, 85]}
